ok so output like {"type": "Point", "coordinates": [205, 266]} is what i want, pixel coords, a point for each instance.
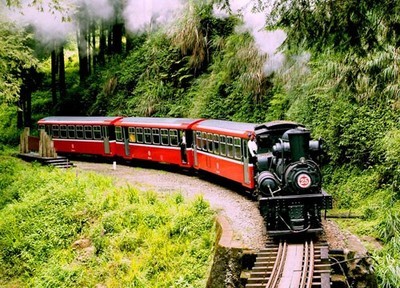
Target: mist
{"type": "Point", "coordinates": [53, 27]}
{"type": "Point", "coordinates": [48, 25]}
{"type": "Point", "coordinates": [142, 15]}
{"type": "Point", "coordinates": [267, 42]}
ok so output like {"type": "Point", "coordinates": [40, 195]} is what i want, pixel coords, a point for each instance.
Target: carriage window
{"type": "Point", "coordinates": [216, 144]}
{"type": "Point", "coordinates": [118, 133]}
{"type": "Point", "coordinates": [139, 135]}
{"type": "Point", "coordinates": [210, 142]}
{"type": "Point", "coordinates": [56, 131]}
{"type": "Point", "coordinates": [147, 135]}
{"type": "Point", "coordinates": [173, 135]}
{"type": "Point", "coordinates": [229, 146]}
{"type": "Point", "coordinates": [164, 137]}
{"type": "Point", "coordinates": [132, 134]}
{"type": "Point", "coordinates": [204, 141]}
{"type": "Point", "coordinates": [237, 147]}
{"type": "Point", "coordinates": [79, 132]}
{"type": "Point", "coordinates": [97, 132]}
{"type": "Point", "coordinates": [71, 131]}
{"type": "Point", "coordinates": [156, 135]}
{"type": "Point", "coordinates": [198, 139]}
{"type": "Point", "coordinates": [222, 143]}
{"type": "Point", "coordinates": [41, 127]}
{"type": "Point", "coordinates": [63, 131]}
{"type": "Point", "coordinates": [88, 132]}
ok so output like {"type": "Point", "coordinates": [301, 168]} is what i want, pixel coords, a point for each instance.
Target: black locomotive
{"type": "Point", "coordinates": [288, 179]}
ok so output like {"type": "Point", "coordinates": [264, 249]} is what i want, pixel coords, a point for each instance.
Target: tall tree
{"type": "Point", "coordinates": [15, 55]}
{"type": "Point", "coordinates": [54, 74]}
{"type": "Point", "coordinates": [102, 43]}
{"type": "Point", "coordinates": [58, 85]}
{"type": "Point", "coordinates": [83, 46]}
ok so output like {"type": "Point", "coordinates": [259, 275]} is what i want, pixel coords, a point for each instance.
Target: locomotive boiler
{"type": "Point", "coordinates": [288, 179]}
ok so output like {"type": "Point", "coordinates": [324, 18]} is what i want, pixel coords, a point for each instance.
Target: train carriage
{"type": "Point", "coordinates": [220, 147]}
{"type": "Point", "coordinates": [165, 140]}
{"type": "Point", "coordinates": [81, 135]}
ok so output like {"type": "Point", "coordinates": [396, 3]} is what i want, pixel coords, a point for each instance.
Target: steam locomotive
{"type": "Point", "coordinates": [285, 176]}
{"type": "Point", "coordinates": [288, 180]}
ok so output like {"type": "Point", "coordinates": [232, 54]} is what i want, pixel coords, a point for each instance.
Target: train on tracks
{"type": "Point", "coordinates": [282, 172]}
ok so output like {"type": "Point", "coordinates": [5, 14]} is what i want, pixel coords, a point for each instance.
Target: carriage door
{"type": "Point", "coordinates": [126, 140]}
{"type": "Point", "coordinates": [246, 162]}
{"type": "Point", "coordinates": [196, 145]}
{"type": "Point", "coordinates": [106, 140]}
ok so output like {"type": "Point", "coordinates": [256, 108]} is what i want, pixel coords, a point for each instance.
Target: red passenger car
{"type": "Point", "coordinates": [81, 135]}
{"type": "Point", "coordinates": [221, 148]}
{"type": "Point", "coordinates": [165, 140]}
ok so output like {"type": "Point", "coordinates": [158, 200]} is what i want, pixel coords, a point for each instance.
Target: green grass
{"type": "Point", "coordinates": [361, 193]}
{"type": "Point", "coordinates": [133, 238]}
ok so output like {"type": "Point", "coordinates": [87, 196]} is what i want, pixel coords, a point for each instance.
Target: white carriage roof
{"type": "Point", "coordinates": [78, 120]}
{"type": "Point", "coordinates": [152, 120]}
{"type": "Point", "coordinates": [226, 125]}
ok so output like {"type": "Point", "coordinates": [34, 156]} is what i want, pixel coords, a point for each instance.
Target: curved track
{"type": "Point", "coordinates": [289, 265]}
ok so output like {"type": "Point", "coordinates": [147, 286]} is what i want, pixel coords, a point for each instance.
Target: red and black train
{"type": "Point", "coordinates": [285, 177]}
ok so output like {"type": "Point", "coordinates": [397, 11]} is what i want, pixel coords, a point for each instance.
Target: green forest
{"type": "Point", "coordinates": [333, 66]}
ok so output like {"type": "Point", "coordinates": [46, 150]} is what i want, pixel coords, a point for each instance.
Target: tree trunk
{"type": "Point", "coordinates": [54, 72]}
{"type": "Point", "coordinates": [109, 40]}
{"type": "Point", "coordinates": [63, 87]}
{"type": "Point", "coordinates": [117, 38]}
{"type": "Point", "coordinates": [29, 80]}
{"type": "Point", "coordinates": [103, 45]}
{"type": "Point", "coordinates": [93, 32]}
{"type": "Point", "coordinates": [82, 51]}
{"type": "Point", "coordinates": [20, 112]}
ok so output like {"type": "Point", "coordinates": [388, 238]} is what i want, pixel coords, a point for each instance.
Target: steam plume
{"type": "Point", "coordinates": [268, 42]}
{"type": "Point", "coordinates": [140, 15]}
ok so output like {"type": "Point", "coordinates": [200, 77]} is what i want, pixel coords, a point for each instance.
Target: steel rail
{"type": "Point", "coordinates": [311, 266]}
{"type": "Point", "coordinates": [278, 265]}
{"type": "Point", "coordinates": [293, 265]}
{"type": "Point", "coordinates": [305, 265]}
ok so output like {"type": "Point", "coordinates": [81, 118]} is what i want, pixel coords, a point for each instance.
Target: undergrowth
{"type": "Point", "coordinates": [362, 193]}
{"type": "Point", "coordinates": [62, 228]}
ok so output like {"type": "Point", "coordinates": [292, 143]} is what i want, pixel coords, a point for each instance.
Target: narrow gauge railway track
{"type": "Point", "coordinates": [291, 265]}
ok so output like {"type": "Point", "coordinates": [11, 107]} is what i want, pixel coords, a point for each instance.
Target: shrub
{"type": "Point", "coordinates": [132, 237]}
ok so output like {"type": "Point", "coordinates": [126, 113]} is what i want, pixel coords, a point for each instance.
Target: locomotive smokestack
{"type": "Point", "coordinates": [299, 143]}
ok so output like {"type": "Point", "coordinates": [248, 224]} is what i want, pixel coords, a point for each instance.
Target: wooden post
{"type": "Point", "coordinates": [24, 141]}
{"type": "Point", "coordinates": [46, 146]}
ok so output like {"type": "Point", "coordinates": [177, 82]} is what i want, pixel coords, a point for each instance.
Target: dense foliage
{"type": "Point", "coordinates": [69, 229]}
{"type": "Point", "coordinates": [16, 57]}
